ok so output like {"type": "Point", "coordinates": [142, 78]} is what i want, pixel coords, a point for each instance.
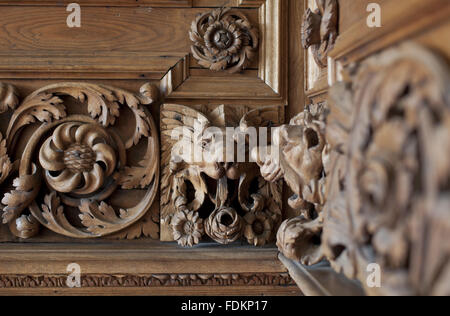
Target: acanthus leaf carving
{"type": "Point", "coordinates": [26, 188]}
{"type": "Point", "coordinates": [83, 159]}
{"type": "Point", "coordinates": [5, 162]}
{"type": "Point", "coordinates": [99, 219]}
{"type": "Point", "coordinates": [9, 97]}
{"type": "Point", "coordinates": [320, 29]}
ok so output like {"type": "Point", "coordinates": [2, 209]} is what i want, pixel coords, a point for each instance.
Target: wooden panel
{"type": "Point", "coordinates": [131, 3]}
{"type": "Point", "coordinates": [130, 44]}
{"type": "Point", "coordinates": [103, 29]}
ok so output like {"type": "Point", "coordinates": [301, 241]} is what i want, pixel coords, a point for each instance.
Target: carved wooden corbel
{"type": "Point", "coordinates": [225, 200]}
{"type": "Point", "coordinates": [320, 29]}
{"type": "Point", "coordinates": [388, 198]}
{"type": "Point", "coordinates": [224, 39]}
{"type": "Point", "coordinates": [69, 168]}
{"type": "Point", "coordinates": [299, 156]}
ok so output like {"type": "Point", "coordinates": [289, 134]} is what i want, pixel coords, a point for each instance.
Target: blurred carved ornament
{"type": "Point", "coordinates": [388, 197]}
{"type": "Point", "coordinates": [299, 155]}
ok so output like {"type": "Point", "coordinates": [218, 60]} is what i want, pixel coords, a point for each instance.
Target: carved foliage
{"type": "Point", "coordinates": [320, 29]}
{"type": "Point", "coordinates": [389, 192]}
{"type": "Point", "coordinates": [299, 155]}
{"type": "Point", "coordinates": [82, 158]}
{"type": "Point", "coordinates": [223, 40]}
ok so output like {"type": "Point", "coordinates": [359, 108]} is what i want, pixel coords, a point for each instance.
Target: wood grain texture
{"type": "Point", "coordinates": [103, 29]}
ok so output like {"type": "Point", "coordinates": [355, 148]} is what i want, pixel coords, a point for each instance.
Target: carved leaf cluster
{"type": "Point", "coordinates": [26, 190]}
{"type": "Point", "coordinates": [8, 97]}
{"type": "Point", "coordinates": [5, 162]}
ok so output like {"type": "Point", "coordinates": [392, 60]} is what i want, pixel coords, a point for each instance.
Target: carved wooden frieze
{"type": "Point", "coordinates": [64, 160]}
{"type": "Point", "coordinates": [320, 29]}
{"type": "Point", "coordinates": [299, 156]}
{"type": "Point", "coordinates": [388, 200]}
{"type": "Point", "coordinates": [219, 197]}
{"type": "Point", "coordinates": [224, 39]}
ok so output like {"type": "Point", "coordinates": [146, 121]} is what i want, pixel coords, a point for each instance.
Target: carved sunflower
{"type": "Point", "coordinates": [258, 229]}
{"type": "Point", "coordinates": [77, 158]}
{"type": "Point", "coordinates": [187, 227]}
{"type": "Point", "coordinates": [224, 225]}
{"type": "Point", "coordinates": [223, 40]}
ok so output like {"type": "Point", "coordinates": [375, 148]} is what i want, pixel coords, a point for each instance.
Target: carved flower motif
{"type": "Point", "coordinates": [223, 40]}
{"type": "Point", "coordinates": [258, 229]}
{"type": "Point", "coordinates": [187, 228]}
{"type": "Point", "coordinates": [224, 225]}
{"type": "Point", "coordinates": [77, 158]}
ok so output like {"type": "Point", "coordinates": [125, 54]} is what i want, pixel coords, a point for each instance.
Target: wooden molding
{"type": "Point", "coordinates": [271, 83]}
{"type": "Point", "coordinates": [175, 71]}
{"type": "Point", "coordinates": [156, 270]}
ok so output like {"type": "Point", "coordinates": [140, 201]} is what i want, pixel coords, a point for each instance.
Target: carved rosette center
{"type": "Point", "coordinates": [223, 39]}
{"type": "Point", "coordinates": [79, 158]}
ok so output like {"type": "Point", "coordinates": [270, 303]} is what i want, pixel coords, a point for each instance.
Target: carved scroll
{"type": "Point", "coordinates": [75, 161]}
{"type": "Point", "coordinates": [388, 200]}
{"type": "Point", "coordinates": [320, 29]}
{"type": "Point", "coordinates": [217, 197]}
{"type": "Point", "coordinates": [223, 39]}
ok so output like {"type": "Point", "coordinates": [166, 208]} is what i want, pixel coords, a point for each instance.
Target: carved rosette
{"type": "Point", "coordinates": [258, 228]}
{"type": "Point", "coordinates": [78, 158]}
{"type": "Point", "coordinates": [77, 162]}
{"type": "Point", "coordinates": [224, 225]}
{"type": "Point", "coordinates": [235, 189]}
{"type": "Point", "coordinates": [388, 199]}
{"type": "Point", "coordinates": [320, 29]}
{"type": "Point", "coordinates": [187, 227]}
{"type": "Point", "coordinates": [223, 39]}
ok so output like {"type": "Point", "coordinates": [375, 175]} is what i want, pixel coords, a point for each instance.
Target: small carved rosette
{"type": "Point", "coordinates": [223, 40]}
{"type": "Point", "coordinates": [68, 147]}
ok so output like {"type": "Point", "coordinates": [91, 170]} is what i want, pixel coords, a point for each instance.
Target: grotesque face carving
{"type": "Point", "coordinates": [300, 147]}
{"type": "Point", "coordinates": [203, 167]}
{"type": "Point", "coordinates": [297, 155]}
{"type": "Point", "coordinates": [210, 155]}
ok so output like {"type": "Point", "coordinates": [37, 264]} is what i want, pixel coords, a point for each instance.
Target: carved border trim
{"type": "Point", "coordinates": [156, 280]}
